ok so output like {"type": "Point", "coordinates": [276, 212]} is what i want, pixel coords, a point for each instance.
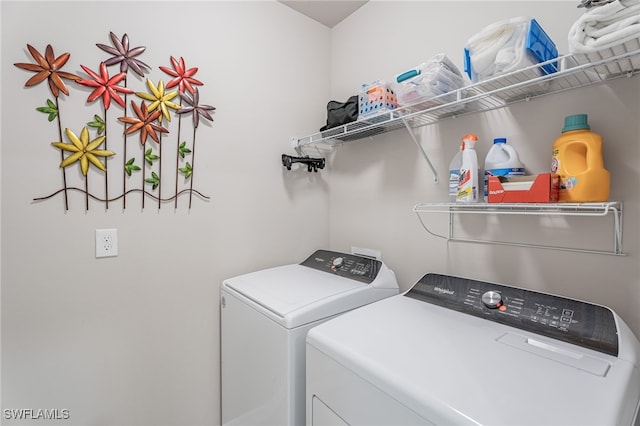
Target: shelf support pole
{"type": "Point", "coordinates": [617, 224]}
{"type": "Point", "coordinates": [424, 154]}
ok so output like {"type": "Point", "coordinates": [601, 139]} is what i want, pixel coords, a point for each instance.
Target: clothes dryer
{"type": "Point", "coordinates": [459, 351]}
{"type": "Point", "coordinates": [265, 317]}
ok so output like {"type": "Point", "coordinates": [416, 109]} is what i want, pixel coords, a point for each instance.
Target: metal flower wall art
{"type": "Point", "coordinates": [147, 117]}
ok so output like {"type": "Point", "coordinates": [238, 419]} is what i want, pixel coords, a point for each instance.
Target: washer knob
{"type": "Point", "coordinates": [492, 299]}
{"type": "Point", "coordinates": [337, 262]}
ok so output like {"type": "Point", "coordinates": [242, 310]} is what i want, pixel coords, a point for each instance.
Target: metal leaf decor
{"type": "Point", "coordinates": [146, 118]}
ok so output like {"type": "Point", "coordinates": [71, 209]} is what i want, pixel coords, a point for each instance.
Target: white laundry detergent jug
{"type": "Point", "coordinates": [501, 160]}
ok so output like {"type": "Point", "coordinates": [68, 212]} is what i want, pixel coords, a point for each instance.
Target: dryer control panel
{"type": "Point", "coordinates": [359, 268]}
{"type": "Point", "coordinates": [580, 323]}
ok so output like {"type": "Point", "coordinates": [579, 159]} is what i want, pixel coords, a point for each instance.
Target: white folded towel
{"type": "Point", "coordinates": [606, 26]}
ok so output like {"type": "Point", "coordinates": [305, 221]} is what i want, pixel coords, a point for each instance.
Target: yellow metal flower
{"type": "Point", "coordinates": [159, 99]}
{"type": "Point", "coordinates": [83, 150]}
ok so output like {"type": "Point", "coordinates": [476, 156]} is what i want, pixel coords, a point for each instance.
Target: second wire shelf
{"type": "Point", "coordinates": [613, 208]}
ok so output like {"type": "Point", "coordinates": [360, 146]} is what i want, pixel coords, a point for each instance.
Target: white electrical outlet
{"type": "Point", "coordinates": [106, 242]}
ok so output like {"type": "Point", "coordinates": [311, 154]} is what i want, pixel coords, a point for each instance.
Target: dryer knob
{"type": "Point", "coordinates": [337, 262]}
{"type": "Point", "coordinates": [492, 299]}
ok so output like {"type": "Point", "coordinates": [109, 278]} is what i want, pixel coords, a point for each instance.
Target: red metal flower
{"type": "Point", "coordinates": [48, 67]}
{"type": "Point", "coordinates": [144, 122]}
{"type": "Point", "coordinates": [105, 86]}
{"type": "Point", "coordinates": [183, 77]}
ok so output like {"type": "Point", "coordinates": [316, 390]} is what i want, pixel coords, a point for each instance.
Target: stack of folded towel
{"type": "Point", "coordinates": [433, 78]}
{"type": "Point", "coordinates": [605, 26]}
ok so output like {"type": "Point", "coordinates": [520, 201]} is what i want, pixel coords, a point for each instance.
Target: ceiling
{"type": "Point", "coordinates": [327, 12]}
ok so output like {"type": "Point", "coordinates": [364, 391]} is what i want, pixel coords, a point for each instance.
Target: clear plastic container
{"type": "Point", "coordinates": [376, 98]}
{"type": "Point", "coordinates": [431, 79]}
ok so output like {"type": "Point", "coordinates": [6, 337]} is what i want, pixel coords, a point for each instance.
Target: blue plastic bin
{"type": "Point", "coordinates": [539, 46]}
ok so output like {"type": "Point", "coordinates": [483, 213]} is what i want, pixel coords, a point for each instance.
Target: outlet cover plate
{"type": "Point", "coordinates": [106, 242]}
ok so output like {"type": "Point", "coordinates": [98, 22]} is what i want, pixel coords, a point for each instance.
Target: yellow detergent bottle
{"type": "Point", "coordinates": [577, 158]}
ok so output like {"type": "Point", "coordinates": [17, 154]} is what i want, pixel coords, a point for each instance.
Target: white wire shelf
{"type": "Point", "coordinates": [574, 71]}
{"type": "Point", "coordinates": [612, 208]}
{"type": "Point", "coordinates": [561, 209]}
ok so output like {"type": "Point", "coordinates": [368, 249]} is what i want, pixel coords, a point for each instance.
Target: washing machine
{"type": "Point", "coordinates": [459, 351]}
{"type": "Point", "coordinates": [265, 317]}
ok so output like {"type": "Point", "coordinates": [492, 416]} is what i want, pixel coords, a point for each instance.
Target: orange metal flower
{"type": "Point", "coordinates": [144, 122]}
{"type": "Point", "coordinates": [48, 68]}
